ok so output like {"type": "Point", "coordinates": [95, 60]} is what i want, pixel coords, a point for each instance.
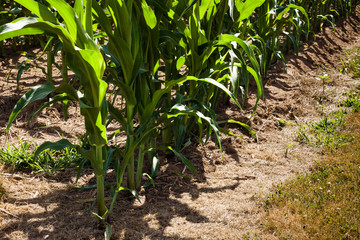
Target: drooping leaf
{"type": "Point", "coordinates": [186, 161]}
{"type": "Point", "coordinates": [37, 93]}
{"type": "Point", "coordinates": [57, 98]}
{"type": "Point", "coordinates": [59, 145]}
{"type": "Point", "coordinates": [38, 9]}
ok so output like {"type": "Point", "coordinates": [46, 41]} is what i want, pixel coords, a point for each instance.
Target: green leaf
{"type": "Point", "coordinates": [180, 62]}
{"type": "Point", "coordinates": [57, 98]}
{"type": "Point", "coordinates": [38, 9]}
{"type": "Point", "coordinates": [133, 192]}
{"type": "Point", "coordinates": [117, 115]}
{"type": "Point", "coordinates": [59, 145]}
{"type": "Point", "coordinates": [37, 93]}
{"type": "Point", "coordinates": [188, 8]}
{"type": "Point", "coordinates": [68, 89]}
{"type": "Point", "coordinates": [149, 14]}
{"type": "Point", "coordinates": [69, 16]}
{"type": "Point", "coordinates": [31, 26]}
{"type": "Point", "coordinates": [247, 127]}
{"type": "Point", "coordinates": [19, 28]}
{"type": "Point", "coordinates": [228, 132]}
{"type": "Point", "coordinates": [184, 110]}
{"type": "Point", "coordinates": [186, 161]}
{"type": "Point", "coordinates": [94, 125]}
{"type": "Point", "coordinates": [247, 8]}
{"type": "Point", "coordinates": [159, 93]}
{"type": "Point", "coordinates": [108, 232]}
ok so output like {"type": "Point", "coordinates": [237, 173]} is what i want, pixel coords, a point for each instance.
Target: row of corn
{"type": "Point", "coordinates": [168, 62]}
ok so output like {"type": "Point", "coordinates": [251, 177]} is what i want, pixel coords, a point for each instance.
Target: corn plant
{"type": "Point", "coordinates": [135, 57]}
{"type": "Point", "coordinates": [85, 59]}
{"type": "Point", "coordinates": [191, 45]}
{"type": "Point", "coordinates": [321, 12]}
{"type": "Point", "coordinates": [169, 63]}
{"type": "Point", "coordinates": [280, 25]}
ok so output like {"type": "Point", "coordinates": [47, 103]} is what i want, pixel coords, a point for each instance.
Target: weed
{"type": "Point", "coordinates": [326, 132]}
{"type": "Point", "coordinates": [352, 101]}
{"type": "Point", "coordinates": [354, 64]}
{"type": "Point", "coordinates": [22, 158]}
{"type": "Point", "coordinates": [324, 78]}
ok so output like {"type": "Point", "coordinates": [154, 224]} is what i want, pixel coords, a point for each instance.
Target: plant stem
{"type": "Point", "coordinates": [64, 71]}
{"type": "Point", "coordinates": [130, 173]}
{"type": "Point", "coordinates": [140, 165]}
{"type": "Point", "coordinates": [100, 178]}
{"type": "Point", "coordinates": [100, 195]}
{"type": "Point", "coordinates": [49, 66]}
{"type": "Point", "coordinates": [167, 133]}
{"type": "Point", "coordinates": [131, 164]}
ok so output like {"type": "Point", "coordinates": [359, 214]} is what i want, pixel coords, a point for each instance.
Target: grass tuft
{"type": "Point", "coordinates": [353, 100]}
{"type": "Point", "coordinates": [326, 203]}
{"type": "Point", "coordinates": [325, 133]}
{"type": "Point", "coordinates": [354, 63]}
{"type": "Point", "coordinates": [49, 161]}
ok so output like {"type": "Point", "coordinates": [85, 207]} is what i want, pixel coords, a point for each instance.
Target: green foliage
{"type": "Point", "coordinates": [326, 132]}
{"type": "Point", "coordinates": [354, 64]}
{"type": "Point", "coordinates": [170, 62]}
{"type": "Point", "coordinates": [83, 57]}
{"type": "Point", "coordinates": [353, 100]}
{"type": "Point", "coordinates": [23, 158]}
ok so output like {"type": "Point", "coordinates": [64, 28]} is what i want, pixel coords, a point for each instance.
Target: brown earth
{"type": "Point", "coordinates": [224, 202]}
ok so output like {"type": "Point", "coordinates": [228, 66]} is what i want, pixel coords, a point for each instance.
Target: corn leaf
{"type": "Point", "coordinates": [37, 93]}
{"type": "Point", "coordinates": [58, 98]}
{"type": "Point", "coordinates": [38, 9]}
{"type": "Point", "coordinates": [186, 161]}
{"type": "Point", "coordinates": [59, 145]}
{"type": "Point", "coordinates": [247, 8]}
{"type": "Point", "coordinates": [149, 14]}
{"type": "Point", "coordinates": [19, 28]}
{"type": "Point", "coordinates": [159, 93]}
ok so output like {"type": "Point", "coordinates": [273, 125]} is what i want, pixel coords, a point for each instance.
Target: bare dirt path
{"type": "Point", "coordinates": [225, 201]}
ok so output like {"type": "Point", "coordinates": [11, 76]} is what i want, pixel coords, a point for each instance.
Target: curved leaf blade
{"type": "Point", "coordinates": [37, 93]}
{"type": "Point", "coordinates": [59, 145]}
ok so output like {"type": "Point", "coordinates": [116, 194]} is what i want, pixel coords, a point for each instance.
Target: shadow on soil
{"type": "Point", "coordinates": [62, 217]}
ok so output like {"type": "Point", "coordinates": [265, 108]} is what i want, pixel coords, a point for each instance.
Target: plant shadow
{"type": "Point", "coordinates": [63, 212]}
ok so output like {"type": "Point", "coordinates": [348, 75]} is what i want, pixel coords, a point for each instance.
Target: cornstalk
{"type": "Point", "coordinates": [64, 72]}
{"type": "Point", "coordinates": [169, 66]}
{"type": "Point", "coordinates": [100, 178]}
{"type": "Point", "coordinates": [130, 142]}
{"type": "Point", "coordinates": [151, 152]}
{"type": "Point", "coordinates": [140, 165]}
{"type": "Point", "coordinates": [49, 63]}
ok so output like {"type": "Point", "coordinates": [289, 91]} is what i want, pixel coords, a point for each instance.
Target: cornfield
{"type": "Point", "coordinates": [169, 62]}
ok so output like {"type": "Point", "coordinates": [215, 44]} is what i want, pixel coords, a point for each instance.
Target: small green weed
{"type": "Point", "coordinates": [326, 132]}
{"type": "Point", "coordinates": [353, 100]}
{"type": "Point", "coordinates": [354, 64]}
{"type": "Point", "coordinates": [324, 78]}
{"type": "Point", "coordinates": [22, 158]}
